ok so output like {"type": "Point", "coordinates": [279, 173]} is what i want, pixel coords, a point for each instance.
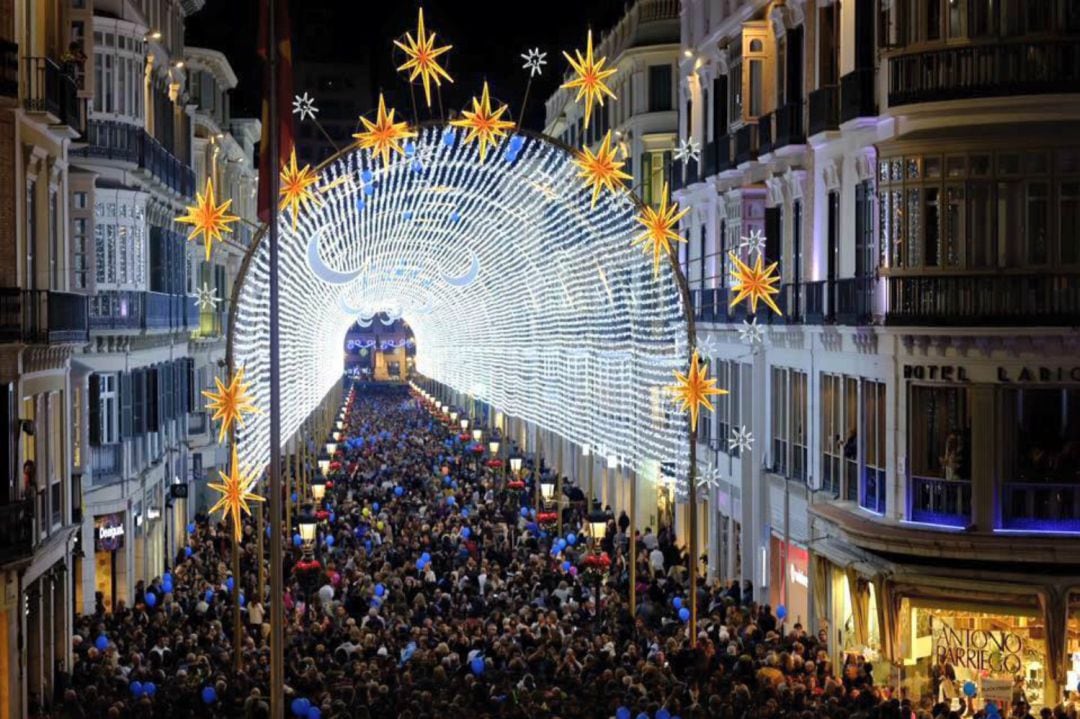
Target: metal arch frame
{"type": "Point", "coordinates": [676, 269]}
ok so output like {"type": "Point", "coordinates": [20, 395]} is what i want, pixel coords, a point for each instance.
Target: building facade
{"type": "Point", "coordinates": [913, 484]}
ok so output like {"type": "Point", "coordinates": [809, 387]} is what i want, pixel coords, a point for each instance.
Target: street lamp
{"type": "Point", "coordinates": [464, 424]}
{"type": "Point", "coordinates": [340, 425]}
{"type": "Point", "coordinates": [493, 447]}
{"type": "Point", "coordinates": [337, 436]}
{"type": "Point", "coordinates": [515, 465]}
{"type": "Point", "coordinates": [598, 522]}
{"type": "Point", "coordinates": [307, 523]}
{"type": "Point", "coordinates": [547, 488]}
{"type": "Point", "coordinates": [453, 415]}
{"type": "Point", "coordinates": [477, 434]}
{"type": "Point", "coordinates": [331, 447]}
{"type": "Point", "coordinates": [318, 487]}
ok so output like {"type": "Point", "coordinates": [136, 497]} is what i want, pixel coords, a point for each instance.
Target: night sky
{"type": "Point", "coordinates": [488, 38]}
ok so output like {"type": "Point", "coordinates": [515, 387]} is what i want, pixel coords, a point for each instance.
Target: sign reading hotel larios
{"type": "Point", "coordinates": [998, 652]}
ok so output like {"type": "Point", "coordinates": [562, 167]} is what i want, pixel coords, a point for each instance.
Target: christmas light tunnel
{"type": "Point", "coordinates": [517, 288]}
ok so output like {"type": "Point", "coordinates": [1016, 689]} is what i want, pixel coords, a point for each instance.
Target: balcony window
{"type": "Point", "coordinates": [660, 91]}
{"type": "Point", "coordinates": [1069, 218]}
{"type": "Point", "coordinates": [728, 405]}
{"type": "Point", "coordinates": [788, 422]}
{"type": "Point", "coordinates": [939, 437]}
{"type": "Point", "coordinates": [839, 435]}
{"type": "Point", "coordinates": [872, 496]}
{"type": "Point", "coordinates": [1038, 222]}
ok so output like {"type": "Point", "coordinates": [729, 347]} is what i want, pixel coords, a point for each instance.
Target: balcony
{"type": "Point", "coordinates": [9, 69]}
{"type": "Point", "coordinates": [941, 501]}
{"type": "Point", "coordinates": [43, 317]}
{"type": "Point", "coordinates": [16, 531]}
{"type": "Point", "coordinates": [1045, 300]}
{"type": "Point", "coordinates": [765, 133]}
{"type": "Point", "coordinates": [853, 300]}
{"type": "Point", "coordinates": [996, 69]}
{"type": "Point", "coordinates": [857, 94]}
{"type": "Point", "coordinates": [116, 310]}
{"type": "Point", "coordinates": [53, 91]}
{"type": "Point", "coordinates": [723, 154]}
{"type": "Point", "coordinates": [708, 160]}
{"type": "Point", "coordinates": [790, 299]}
{"type": "Point", "coordinates": [824, 109]}
{"type": "Point", "coordinates": [112, 140]}
{"type": "Point", "coordinates": [1041, 506]}
{"type": "Point", "coordinates": [789, 126]}
{"type": "Point", "coordinates": [135, 311]}
{"type": "Point", "coordinates": [814, 311]}
{"type": "Point", "coordinates": [107, 463]}
{"type": "Point", "coordinates": [692, 171]}
{"type": "Point", "coordinates": [677, 175]}
{"type": "Point", "coordinates": [746, 144]}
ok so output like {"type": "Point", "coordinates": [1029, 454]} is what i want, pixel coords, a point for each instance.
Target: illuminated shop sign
{"type": "Point", "coordinates": [998, 652]}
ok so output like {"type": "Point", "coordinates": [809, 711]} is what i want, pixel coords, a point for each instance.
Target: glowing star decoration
{"type": "Point", "coordinates": [384, 134]}
{"type": "Point", "coordinates": [741, 439]}
{"type": "Point", "coordinates": [602, 169]}
{"type": "Point", "coordinates": [590, 78]}
{"type": "Point", "coordinates": [230, 403]}
{"type": "Point", "coordinates": [534, 61]}
{"type": "Point", "coordinates": [751, 332]}
{"type": "Point", "coordinates": [423, 58]}
{"type": "Point", "coordinates": [688, 149]}
{"type": "Point", "coordinates": [756, 283]}
{"type": "Point", "coordinates": [708, 480]}
{"type": "Point", "coordinates": [206, 299]}
{"type": "Point", "coordinates": [660, 229]}
{"type": "Point", "coordinates": [694, 389]}
{"type": "Point", "coordinates": [755, 242]}
{"type": "Point", "coordinates": [235, 491]}
{"type": "Point", "coordinates": [296, 187]}
{"type": "Point", "coordinates": [208, 218]}
{"type": "Point", "coordinates": [304, 106]}
{"type": "Point", "coordinates": [483, 123]}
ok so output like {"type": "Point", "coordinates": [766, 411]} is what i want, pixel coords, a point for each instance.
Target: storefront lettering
{"type": "Point", "coordinates": [1040, 374]}
{"type": "Point", "coordinates": [110, 532]}
{"type": "Point", "coordinates": [944, 373]}
{"type": "Point", "coordinates": [799, 577]}
{"type": "Point", "coordinates": [979, 649]}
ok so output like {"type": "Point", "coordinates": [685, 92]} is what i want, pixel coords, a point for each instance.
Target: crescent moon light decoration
{"type": "Point", "coordinates": [470, 275]}
{"type": "Point", "coordinates": [324, 273]}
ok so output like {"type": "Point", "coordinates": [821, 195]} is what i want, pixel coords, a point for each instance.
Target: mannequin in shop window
{"type": "Point", "coordinates": [950, 461]}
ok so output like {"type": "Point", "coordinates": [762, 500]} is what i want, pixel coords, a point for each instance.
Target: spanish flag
{"type": "Point", "coordinates": [284, 88]}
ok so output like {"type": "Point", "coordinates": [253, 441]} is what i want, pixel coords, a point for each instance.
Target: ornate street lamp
{"type": "Point", "coordinates": [453, 415]}
{"type": "Point", "coordinates": [307, 524]}
{"type": "Point", "coordinates": [547, 488]}
{"type": "Point", "coordinates": [331, 447]}
{"type": "Point", "coordinates": [598, 522]}
{"type": "Point", "coordinates": [464, 424]}
{"type": "Point", "coordinates": [318, 487]}
{"type": "Point", "coordinates": [515, 465]}
{"type": "Point", "coordinates": [493, 448]}
{"type": "Point", "coordinates": [324, 463]}
{"type": "Point", "coordinates": [477, 435]}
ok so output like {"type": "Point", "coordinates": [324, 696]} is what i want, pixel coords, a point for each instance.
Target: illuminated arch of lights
{"type": "Point", "coordinates": [517, 291]}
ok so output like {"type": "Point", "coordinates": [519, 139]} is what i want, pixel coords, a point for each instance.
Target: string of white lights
{"type": "Point", "coordinates": [517, 291]}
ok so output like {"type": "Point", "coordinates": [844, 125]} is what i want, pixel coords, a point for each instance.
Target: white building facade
{"type": "Point", "coordinates": [915, 471]}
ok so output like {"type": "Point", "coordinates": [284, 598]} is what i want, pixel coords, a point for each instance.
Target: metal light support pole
{"type": "Point", "coordinates": [277, 615]}
{"type": "Point", "coordinates": [633, 544]}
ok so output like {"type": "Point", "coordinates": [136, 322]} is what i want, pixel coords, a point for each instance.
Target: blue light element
{"type": "Point", "coordinates": [367, 176]}
{"type": "Point", "coordinates": [516, 143]}
{"type": "Point", "coordinates": [407, 214]}
{"type": "Point", "coordinates": [369, 189]}
{"type": "Point", "coordinates": [410, 148]}
{"type": "Point", "coordinates": [449, 137]}
{"type": "Point", "coordinates": [360, 204]}
{"type": "Point", "coordinates": [455, 216]}
{"type": "Point", "coordinates": [416, 166]}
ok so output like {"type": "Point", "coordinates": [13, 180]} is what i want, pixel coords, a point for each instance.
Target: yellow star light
{"type": "Point", "coordinates": [483, 123]}
{"type": "Point", "coordinates": [423, 61]}
{"type": "Point", "coordinates": [296, 184]}
{"type": "Point", "coordinates": [590, 78]}
{"type": "Point", "coordinates": [235, 494]}
{"type": "Point", "coordinates": [659, 229]}
{"type": "Point", "coordinates": [384, 134]}
{"type": "Point", "coordinates": [230, 403]}
{"type": "Point", "coordinates": [694, 388]}
{"type": "Point", "coordinates": [756, 283]}
{"type": "Point", "coordinates": [602, 169]}
{"type": "Point", "coordinates": [208, 218]}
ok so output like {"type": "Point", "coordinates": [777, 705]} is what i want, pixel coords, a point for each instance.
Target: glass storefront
{"type": "Point", "coordinates": [789, 581]}
{"type": "Point", "coordinates": [109, 557]}
{"type": "Point", "coordinates": [1002, 651]}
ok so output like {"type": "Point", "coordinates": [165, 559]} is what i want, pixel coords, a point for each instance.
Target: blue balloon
{"type": "Point", "coordinates": [209, 695]}
{"type": "Point", "coordinates": [465, 512]}
{"type": "Point", "coordinates": [329, 540]}
{"type": "Point", "coordinates": [297, 540]}
{"type": "Point", "coordinates": [230, 583]}
{"type": "Point", "coordinates": [465, 532]}
{"type": "Point", "coordinates": [477, 665]}
{"type": "Point", "coordinates": [243, 600]}
{"type": "Point", "coordinates": [209, 596]}
{"type": "Point", "coordinates": [970, 689]}
{"type": "Point", "coordinates": [314, 713]}
{"type": "Point", "coordinates": [294, 496]}
{"type": "Point", "coordinates": [188, 551]}
{"type": "Point", "coordinates": [571, 539]}
{"type": "Point", "coordinates": [420, 564]}
{"type": "Point", "coordinates": [379, 590]}
{"type": "Point", "coordinates": [102, 642]}
{"type": "Point", "coordinates": [167, 588]}
{"type": "Point", "coordinates": [399, 491]}
{"type": "Point", "coordinates": [781, 612]}
{"type": "Point", "coordinates": [167, 578]}
{"type": "Point", "coordinates": [662, 713]}
{"type": "Point", "coordinates": [136, 688]}
{"type": "Point", "coordinates": [332, 517]}
{"type": "Point", "coordinates": [367, 545]}
{"type": "Point", "coordinates": [451, 501]}
{"type": "Point", "coordinates": [426, 557]}
{"type": "Point", "coordinates": [375, 506]}
{"type": "Point", "coordinates": [677, 601]}
{"type": "Point", "coordinates": [642, 715]}
{"type": "Point", "coordinates": [191, 528]}
{"type": "Point", "coordinates": [566, 566]}
{"type": "Point", "coordinates": [684, 614]}
{"type": "Point", "coordinates": [300, 706]}
{"type": "Point", "coordinates": [622, 713]}
{"type": "Point", "coordinates": [149, 689]}
{"type": "Point", "coordinates": [151, 600]}
{"type": "Point", "coordinates": [524, 511]}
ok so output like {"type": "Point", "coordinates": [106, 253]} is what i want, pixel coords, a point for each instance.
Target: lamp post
{"type": "Point", "coordinates": [318, 488]}
{"type": "Point", "coordinates": [464, 424]}
{"type": "Point", "coordinates": [597, 520]}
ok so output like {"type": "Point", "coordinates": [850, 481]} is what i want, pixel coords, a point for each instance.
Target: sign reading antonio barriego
{"type": "Point", "coordinates": [997, 652]}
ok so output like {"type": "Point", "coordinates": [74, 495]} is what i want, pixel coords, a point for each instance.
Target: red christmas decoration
{"type": "Point", "coordinates": [517, 485]}
{"type": "Point", "coordinates": [494, 463]}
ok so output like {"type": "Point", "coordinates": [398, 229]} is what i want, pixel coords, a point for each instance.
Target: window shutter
{"type": "Point", "coordinates": [125, 405]}
{"type": "Point", "coordinates": [153, 400]}
{"type": "Point", "coordinates": [94, 406]}
{"type": "Point", "coordinates": [138, 402]}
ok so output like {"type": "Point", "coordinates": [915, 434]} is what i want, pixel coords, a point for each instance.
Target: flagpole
{"type": "Point", "coordinates": [277, 614]}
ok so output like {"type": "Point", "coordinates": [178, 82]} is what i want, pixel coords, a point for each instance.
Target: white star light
{"type": "Point", "coordinates": [741, 438]}
{"type": "Point", "coordinates": [534, 61]}
{"type": "Point", "coordinates": [708, 347]}
{"type": "Point", "coordinates": [304, 106]}
{"type": "Point", "coordinates": [689, 149]}
{"type": "Point", "coordinates": [754, 243]}
{"type": "Point", "coordinates": [751, 332]}
{"type": "Point", "coordinates": [206, 298]}
{"type": "Point", "coordinates": [708, 480]}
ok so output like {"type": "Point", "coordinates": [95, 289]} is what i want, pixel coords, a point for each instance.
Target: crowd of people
{"type": "Point", "coordinates": [433, 591]}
